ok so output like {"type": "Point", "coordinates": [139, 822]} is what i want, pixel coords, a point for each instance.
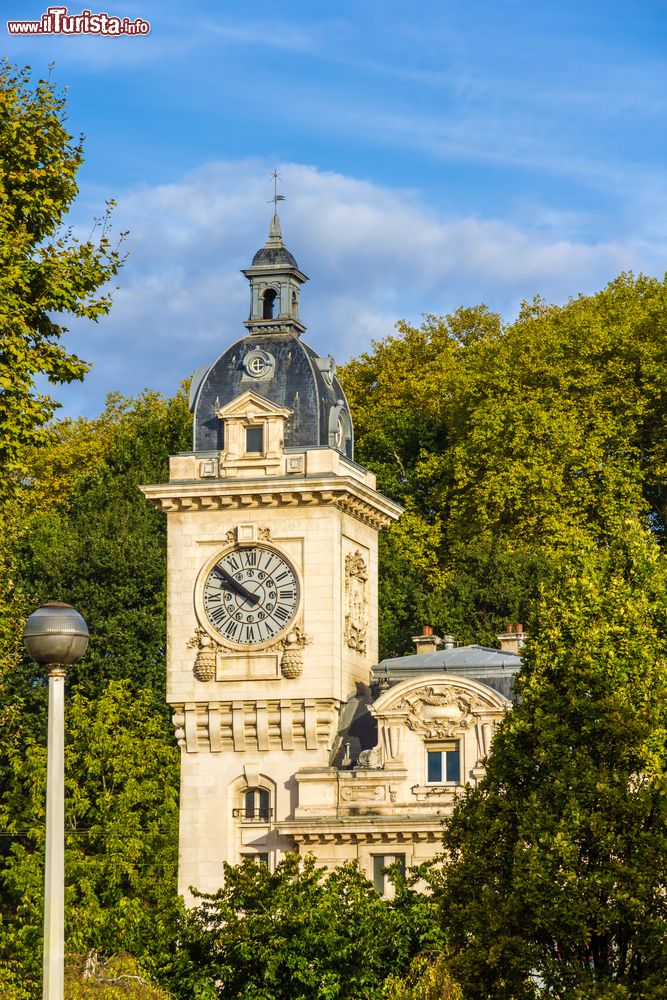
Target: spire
{"type": "Point", "coordinates": [275, 280]}
{"type": "Point", "coordinates": [275, 232]}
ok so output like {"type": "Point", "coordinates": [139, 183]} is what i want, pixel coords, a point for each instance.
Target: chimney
{"type": "Point", "coordinates": [427, 642]}
{"type": "Point", "coordinates": [512, 639]}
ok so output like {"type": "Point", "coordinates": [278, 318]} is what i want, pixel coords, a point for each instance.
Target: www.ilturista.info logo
{"type": "Point", "coordinates": [56, 21]}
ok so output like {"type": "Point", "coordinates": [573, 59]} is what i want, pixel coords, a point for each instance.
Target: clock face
{"type": "Point", "coordinates": [250, 595]}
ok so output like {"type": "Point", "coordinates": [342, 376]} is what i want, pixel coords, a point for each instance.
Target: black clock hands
{"type": "Point", "coordinates": [228, 580]}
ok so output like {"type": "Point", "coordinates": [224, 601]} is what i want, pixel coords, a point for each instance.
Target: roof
{"type": "Point", "coordinates": [274, 256]}
{"type": "Point", "coordinates": [493, 667]}
{"type": "Point", "coordinates": [296, 378]}
{"type": "Point", "coordinates": [451, 659]}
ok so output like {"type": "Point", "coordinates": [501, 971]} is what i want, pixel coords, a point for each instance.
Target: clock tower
{"type": "Point", "coordinates": [272, 579]}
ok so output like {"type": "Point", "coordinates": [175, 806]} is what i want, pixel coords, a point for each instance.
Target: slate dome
{"type": "Point", "coordinates": [290, 374]}
{"type": "Point", "coordinates": [274, 257]}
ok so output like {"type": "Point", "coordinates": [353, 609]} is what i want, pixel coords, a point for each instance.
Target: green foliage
{"type": "Point", "coordinates": [117, 978]}
{"type": "Point", "coordinates": [44, 269]}
{"type": "Point", "coordinates": [557, 859]}
{"type": "Point", "coordinates": [97, 544]}
{"type": "Point", "coordinates": [121, 827]}
{"type": "Point", "coordinates": [506, 444]}
{"type": "Point", "coordinates": [81, 530]}
{"type": "Point", "coordinates": [426, 979]}
{"type": "Point", "coordinates": [298, 933]}
{"type": "Point", "coordinates": [14, 983]}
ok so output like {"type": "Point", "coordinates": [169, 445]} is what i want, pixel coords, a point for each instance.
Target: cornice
{"type": "Point", "coordinates": [400, 829]}
{"type": "Point", "coordinates": [345, 493]}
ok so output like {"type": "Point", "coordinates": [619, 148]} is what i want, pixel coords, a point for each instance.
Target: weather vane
{"type": "Point", "coordinates": [276, 197]}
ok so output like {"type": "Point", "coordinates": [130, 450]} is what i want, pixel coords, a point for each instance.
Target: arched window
{"type": "Point", "coordinates": [295, 305]}
{"type": "Point", "coordinates": [257, 805]}
{"type": "Point", "coordinates": [269, 302]}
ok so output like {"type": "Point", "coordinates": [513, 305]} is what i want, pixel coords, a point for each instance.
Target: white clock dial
{"type": "Point", "coordinates": [251, 595]}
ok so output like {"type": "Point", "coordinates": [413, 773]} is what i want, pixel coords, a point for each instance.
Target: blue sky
{"type": "Point", "coordinates": [432, 156]}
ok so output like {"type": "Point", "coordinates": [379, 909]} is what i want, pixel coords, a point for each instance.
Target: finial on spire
{"type": "Point", "coordinates": [276, 197]}
{"type": "Point", "coordinates": [275, 232]}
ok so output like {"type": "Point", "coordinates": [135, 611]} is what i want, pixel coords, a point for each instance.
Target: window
{"type": "Point", "coordinates": [254, 439]}
{"type": "Point", "coordinates": [258, 858]}
{"type": "Point", "coordinates": [380, 878]}
{"type": "Point", "coordinates": [256, 804]}
{"type": "Point", "coordinates": [268, 303]}
{"type": "Point", "coordinates": [443, 766]}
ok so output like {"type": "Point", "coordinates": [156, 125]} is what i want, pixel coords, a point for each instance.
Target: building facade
{"type": "Point", "coordinates": [292, 736]}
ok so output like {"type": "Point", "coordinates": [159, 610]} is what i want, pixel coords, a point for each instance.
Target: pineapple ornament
{"type": "Point", "coordinates": [291, 664]}
{"type": "Point", "coordinates": [205, 660]}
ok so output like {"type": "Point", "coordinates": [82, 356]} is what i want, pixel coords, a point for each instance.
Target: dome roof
{"type": "Point", "coordinates": [281, 368]}
{"type": "Point", "coordinates": [274, 256]}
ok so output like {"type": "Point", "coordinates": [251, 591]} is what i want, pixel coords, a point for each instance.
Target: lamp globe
{"type": "Point", "coordinates": [56, 633]}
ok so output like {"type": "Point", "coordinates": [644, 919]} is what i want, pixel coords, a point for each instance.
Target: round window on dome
{"type": "Point", "coordinates": [259, 364]}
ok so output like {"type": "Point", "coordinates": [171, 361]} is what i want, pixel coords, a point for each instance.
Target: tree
{"type": "Point", "coordinates": [121, 830]}
{"type": "Point", "coordinates": [507, 443]}
{"type": "Point", "coordinates": [44, 270]}
{"type": "Point", "coordinates": [298, 933]}
{"type": "Point", "coordinates": [427, 979]}
{"type": "Point", "coordinates": [555, 882]}
{"type": "Point", "coordinates": [80, 529]}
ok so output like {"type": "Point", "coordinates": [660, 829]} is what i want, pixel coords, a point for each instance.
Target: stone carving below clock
{"type": "Point", "coordinates": [440, 713]}
{"type": "Point", "coordinates": [207, 652]}
{"type": "Point", "coordinates": [291, 662]}
{"type": "Point", "coordinates": [356, 601]}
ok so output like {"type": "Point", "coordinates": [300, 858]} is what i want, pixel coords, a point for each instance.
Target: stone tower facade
{"type": "Point", "coordinates": [272, 580]}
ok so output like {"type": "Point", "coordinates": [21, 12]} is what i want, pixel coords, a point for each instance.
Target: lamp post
{"type": "Point", "coordinates": [56, 636]}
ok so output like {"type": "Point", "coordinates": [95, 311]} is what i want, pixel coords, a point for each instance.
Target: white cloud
{"type": "Point", "coordinates": [374, 255]}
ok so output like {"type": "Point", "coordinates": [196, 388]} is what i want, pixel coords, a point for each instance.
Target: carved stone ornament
{"type": "Point", "coordinates": [178, 721]}
{"type": "Point", "coordinates": [356, 601]}
{"type": "Point", "coordinates": [264, 534]}
{"type": "Point", "coordinates": [205, 660]}
{"type": "Point", "coordinates": [440, 713]}
{"type": "Point", "coordinates": [291, 662]}
{"type": "Point", "coordinates": [363, 793]}
{"type": "Point", "coordinates": [370, 759]}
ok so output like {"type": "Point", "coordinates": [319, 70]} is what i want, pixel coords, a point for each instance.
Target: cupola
{"type": "Point", "coordinates": [272, 362]}
{"type": "Point", "coordinates": [275, 284]}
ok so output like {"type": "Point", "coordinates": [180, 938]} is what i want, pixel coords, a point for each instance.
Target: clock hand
{"type": "Point", "coordinates": [228, 580]}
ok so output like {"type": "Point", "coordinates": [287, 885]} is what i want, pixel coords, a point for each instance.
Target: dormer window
{"type": "Point", "coordinates": [254, 440]}
{"type": "Point", "coordinates": [269, 303]}
{"type": "Point", "coordinates": [443, 764]}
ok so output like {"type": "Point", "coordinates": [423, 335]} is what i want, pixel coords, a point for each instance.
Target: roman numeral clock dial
{"type": "Point", "coordinates": [251, 595]}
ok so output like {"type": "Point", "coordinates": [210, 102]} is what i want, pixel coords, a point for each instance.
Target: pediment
{"type": "Point", "coordinates": [440, 705]}
{"type": "Point", "coordinates": [249, 405]}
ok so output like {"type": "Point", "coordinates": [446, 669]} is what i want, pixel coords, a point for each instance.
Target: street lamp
{"type": "Point", "coordinates": [55, 636]}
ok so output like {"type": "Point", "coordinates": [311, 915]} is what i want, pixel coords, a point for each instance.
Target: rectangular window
{"type": "Point", "coordinates": [259, 858]}
{"type": "Point", "coordinates": [254, 439]}
{"type": "Point", "coordinates": [443, 766]}
{"type": "Point", "coordinates": [257, 805]}
{"type": "Point", "coordinates": [380, 877]}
